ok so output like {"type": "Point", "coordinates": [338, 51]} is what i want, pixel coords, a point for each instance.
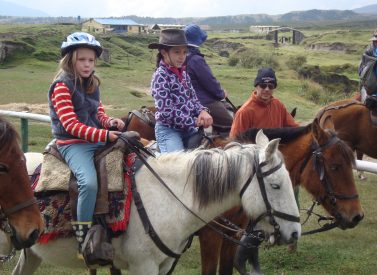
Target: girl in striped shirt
{"type": "Point", "coordinates": [79, 122]}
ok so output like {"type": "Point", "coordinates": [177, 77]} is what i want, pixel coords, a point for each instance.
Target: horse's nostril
{"type": "Point", "coordinates": [357, 218]}
{"type": "Point", "coordinates": [294, 235]}
{"type": "Point", "coordinates": [34, 236]}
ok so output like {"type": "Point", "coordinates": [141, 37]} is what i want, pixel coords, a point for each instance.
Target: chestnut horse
{"type": "Point", "coordinates": [317, 160]}
{"type": "Point", "coordinates": [353, 123]}
{"type": "Point", "coordinates": [141, 121]}
{"type": "Point", "coordinates": [19, 214]}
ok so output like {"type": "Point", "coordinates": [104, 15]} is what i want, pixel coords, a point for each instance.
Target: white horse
{"type": "Point", "coordinates": [205, 183]}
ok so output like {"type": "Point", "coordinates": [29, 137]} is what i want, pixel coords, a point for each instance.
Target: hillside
{"type": "Point", "coordinates": [370, 9]}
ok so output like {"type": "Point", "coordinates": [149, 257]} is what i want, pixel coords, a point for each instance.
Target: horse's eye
{"type": "Point", "coordinates": [4, 168]}
{"type": "Point", "coordinates": [334, 167]}
{"type": "Point", "coordinates": [275, 186]}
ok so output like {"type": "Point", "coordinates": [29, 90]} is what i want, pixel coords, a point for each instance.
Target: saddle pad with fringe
{"type": "Point", "coordinates": [55, 174]}
{"type": "Point", "coordinates": [56, 210]}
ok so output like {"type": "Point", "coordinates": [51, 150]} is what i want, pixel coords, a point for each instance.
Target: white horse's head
{"type": "Point", "coordinates": [282, 225]}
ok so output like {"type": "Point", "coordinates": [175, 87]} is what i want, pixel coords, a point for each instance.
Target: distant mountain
{"type": "Point", "coordinates": [319, 15]}
{"type": "Point", "coordinates": [252, 19]}
{"type": "Point", "coordinates": [370, 9]}
{"type": "Point", "coordinates": [11, 9]}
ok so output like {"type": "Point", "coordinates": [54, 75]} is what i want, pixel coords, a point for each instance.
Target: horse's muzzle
{"type": "Point", "coordinates": [21, 244]}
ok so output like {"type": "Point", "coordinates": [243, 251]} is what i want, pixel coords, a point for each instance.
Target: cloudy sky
{"type": "Point", "coordinates": [182, 8]}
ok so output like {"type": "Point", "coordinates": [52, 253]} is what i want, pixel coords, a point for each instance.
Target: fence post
{"type": "Point", "coordinates": [25, 134]}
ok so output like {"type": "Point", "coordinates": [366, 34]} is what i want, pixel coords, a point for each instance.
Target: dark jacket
{"type": "Point", "coordinates": [363, 62]}
{"type": "Point", "coordinates": [206, 86]}
{"type": "Point", "coordinates": [85, 105]}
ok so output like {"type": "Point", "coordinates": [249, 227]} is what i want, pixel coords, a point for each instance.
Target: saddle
{"type": "Point", "coordinates": [56, 175]}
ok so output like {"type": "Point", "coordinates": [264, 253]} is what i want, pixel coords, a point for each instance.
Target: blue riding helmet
{"type": "Point", "coordinates": [81, 40]}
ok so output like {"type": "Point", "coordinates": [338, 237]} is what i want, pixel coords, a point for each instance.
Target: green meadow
{"type": "Point", "coordinates": [27, 72]}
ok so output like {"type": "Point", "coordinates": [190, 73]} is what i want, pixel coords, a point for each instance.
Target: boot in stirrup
{"type": "Point", "coordinates": [81, 229]}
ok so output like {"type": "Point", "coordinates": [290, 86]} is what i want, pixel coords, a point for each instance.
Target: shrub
{"type": "Point", "coordinates": [46, 55]}
{"type": "Point", "coordinates": [296, 62]}
{"type": "Point", "coordinates": [233, 61]}
{"type": "Point", "coordinates": [251, 58]}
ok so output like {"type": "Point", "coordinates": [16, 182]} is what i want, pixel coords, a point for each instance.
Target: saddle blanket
{"type": "Point", "coordinates": [56, 210]}
{"type": "Point", "coordinates": [56, 175]}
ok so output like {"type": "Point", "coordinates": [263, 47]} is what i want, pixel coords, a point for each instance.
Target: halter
{"type": "Point", "coordinates": [331, 196]}
{"type": "Point", "coordinates": [270, 212]}
{"type": "Point", "coordinates": [5, 213]}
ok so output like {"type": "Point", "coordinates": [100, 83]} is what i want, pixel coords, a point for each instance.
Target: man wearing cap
{"type": "Point", "coordinates": [207, 88]}
{"type": "Point", "coordinates": [262, 109]}
{"type": "Point", "coordinates": [370, 51]}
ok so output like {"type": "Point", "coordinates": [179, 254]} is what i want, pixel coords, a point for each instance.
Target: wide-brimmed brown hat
{"type": "Point", "coordinates": [170, 38]}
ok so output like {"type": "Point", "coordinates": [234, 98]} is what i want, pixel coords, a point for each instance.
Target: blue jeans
{"type": "Point", "coordinates": [171, 140]}
{"type": "Point", "coordinates": [80, 159]}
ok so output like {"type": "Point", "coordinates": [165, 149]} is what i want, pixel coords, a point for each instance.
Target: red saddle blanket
{"type": "Point", "coordinates": [56, 210]}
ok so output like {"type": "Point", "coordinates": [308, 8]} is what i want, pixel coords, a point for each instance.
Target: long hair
{"type": "Point", "coordinates": [67, 65]}
{"type": "Point", "coordinates": [159, 56]}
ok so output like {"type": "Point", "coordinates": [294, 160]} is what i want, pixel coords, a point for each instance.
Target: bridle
{"type": "Point", "coordinates": [5, 213]}
{"type": "Point", "coordinates": [270, 212]}
{"type": "Point", "coordinates": [330, 195]}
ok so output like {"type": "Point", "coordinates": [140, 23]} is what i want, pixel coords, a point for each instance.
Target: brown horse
{"type": "Point", "coordinates": [141, 121]}
{"type": "Point", "coordinates": [353, 124]}
{"type": "Point", "coordinates": [19, 214]}
{"type": "Point", "coordinates": [317, 160]}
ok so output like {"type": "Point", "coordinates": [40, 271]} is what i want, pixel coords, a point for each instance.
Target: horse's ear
{"type": "Point", "coordinates": [272, 147]}
{"type": "Point", "coordinates": [319, 127]}
{"type": "Point", "coordinates": [261, 139]}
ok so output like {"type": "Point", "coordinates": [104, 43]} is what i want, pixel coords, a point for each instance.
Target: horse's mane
{"type": "Point", "coordinates": [216, 172]}
{"type": "Point", "coordinates": [286, 134]}
{"type": "Point", "coordinates": [7, 135]}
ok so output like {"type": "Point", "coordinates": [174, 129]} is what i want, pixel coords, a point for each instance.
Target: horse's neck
{"type": "Point", "coordinates": [174, 173]}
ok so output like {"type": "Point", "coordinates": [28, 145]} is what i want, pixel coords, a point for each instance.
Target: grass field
{"type": "Point", "coordinates": [26, 76]}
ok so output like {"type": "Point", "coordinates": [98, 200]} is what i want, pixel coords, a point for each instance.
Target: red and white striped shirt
{"type": "Point", "coordinates": [62, 101]}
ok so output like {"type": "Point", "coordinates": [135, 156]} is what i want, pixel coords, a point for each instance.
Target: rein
{"type": "Point", "coordinates": [319, 166]}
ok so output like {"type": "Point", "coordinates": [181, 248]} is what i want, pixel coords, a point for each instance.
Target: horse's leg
{"type": "Point", "coordinates": [228, 250]}
{"type": "Point", "coordinates": [360, 174]}
{"type": "Point", "coordinates": [210, 245]}
{"type": "Point", "coordinates": [27, 264]}
{"type": "Point", "coordinates": [115, 271]}
{"type": "Point", "coordinates": [250, 254]}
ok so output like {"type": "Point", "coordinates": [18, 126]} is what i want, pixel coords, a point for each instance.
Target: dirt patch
{"type": "Point", "coordinates": [26, 107]}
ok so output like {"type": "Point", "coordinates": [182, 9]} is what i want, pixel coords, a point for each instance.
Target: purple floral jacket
{"type": "Point", "coordinates": [177, 105]}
